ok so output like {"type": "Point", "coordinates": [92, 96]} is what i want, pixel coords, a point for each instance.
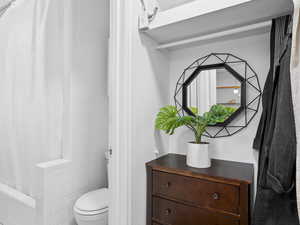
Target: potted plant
{"type": "Point", "coordinates": [169, 120]}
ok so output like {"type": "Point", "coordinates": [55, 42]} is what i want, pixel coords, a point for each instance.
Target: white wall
{"type": "Point", "coordinates": [255, 50]}
{"type": "Point", "coordinates": [89, 91]}
{"type": "Point", "coordinates": [89, 102]}
{"type": "Point", "coordinates": [150, 90]}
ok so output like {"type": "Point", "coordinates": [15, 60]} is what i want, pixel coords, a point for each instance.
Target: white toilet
{"type": "Point", "coordinates": [92, 208]}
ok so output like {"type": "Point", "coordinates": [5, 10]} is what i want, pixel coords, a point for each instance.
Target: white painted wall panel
{"type": "Point", "coordinates": [150, 90]}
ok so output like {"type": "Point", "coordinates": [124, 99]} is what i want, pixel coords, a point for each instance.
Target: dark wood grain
{"type": "Point", "coordinates": [220, 169]}
{"type": "Point", "coordinates": [149, 195]}
{"type": "Point", "coordinates": [199, 192]}
{"type": "Point", "coordinates": [181, 195]}
{"type": "Point", "coordinates": [169, 212]}
{"type": "Point", "coordinates": [245, 206]}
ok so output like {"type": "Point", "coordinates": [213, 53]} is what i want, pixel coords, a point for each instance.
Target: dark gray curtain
{"type": "Point", "coordinates": [275, 202]}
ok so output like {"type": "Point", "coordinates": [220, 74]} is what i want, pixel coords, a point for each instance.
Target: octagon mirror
{"type": "Point", "coordinates": [220, 79]}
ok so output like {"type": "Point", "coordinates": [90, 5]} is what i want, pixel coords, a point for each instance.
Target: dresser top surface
{"type": "Point", "coordinates": [174, 163]}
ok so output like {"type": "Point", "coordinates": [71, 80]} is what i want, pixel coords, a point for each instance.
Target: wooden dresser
{"type": "Point", "coordinates": [181, 195]}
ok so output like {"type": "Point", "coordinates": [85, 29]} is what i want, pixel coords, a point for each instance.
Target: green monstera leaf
{"type": "Point", "coordinates": [168, 119]}
{"type": "Point", "coordinates": [194, 110]}
{"type": "Point", "coordinates": [219, 113]}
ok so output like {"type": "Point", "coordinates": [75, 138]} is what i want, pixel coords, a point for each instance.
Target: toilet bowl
{"type": "Point", "coordinates": [92, 208]}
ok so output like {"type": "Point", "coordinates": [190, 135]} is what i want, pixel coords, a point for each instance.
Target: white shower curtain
{"type": "Point", "coordinates": [33, 76]}
{"type": "Point", "coordinates": [295, 80]}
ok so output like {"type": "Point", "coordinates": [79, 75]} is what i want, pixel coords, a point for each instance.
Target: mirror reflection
{"type": "Point", "coordinates": [211, 87]}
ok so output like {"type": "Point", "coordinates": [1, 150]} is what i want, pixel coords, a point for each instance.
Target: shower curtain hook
{"type": "Point", "coordinates": [6, 6]}
{"type": "Point", "coordinates": [146, 18]}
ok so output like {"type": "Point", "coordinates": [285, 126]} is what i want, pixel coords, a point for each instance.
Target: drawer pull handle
{"type": "Point", "coordinates": [167, 185]}
{"type": "Point", "coordinates": [168, 212]}
{"type": "Point", "coordinates": [216, 196]}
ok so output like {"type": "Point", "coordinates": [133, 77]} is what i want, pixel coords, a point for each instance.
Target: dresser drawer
{"type": "Point", "coordinates": [199, 192]}
{"type": "Point", "coordinates": [169, 212]}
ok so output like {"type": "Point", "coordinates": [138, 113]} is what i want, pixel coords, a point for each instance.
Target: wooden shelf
{"type": "Point", "coordinates": [229, 87]}
{"type": "Point", "coordinates": [205, 21]}
{"type": "Point", "coordinates": [228, 103]}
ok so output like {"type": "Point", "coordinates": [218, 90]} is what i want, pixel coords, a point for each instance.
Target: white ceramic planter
{"type": "Point", "coordinates": [198, 155]}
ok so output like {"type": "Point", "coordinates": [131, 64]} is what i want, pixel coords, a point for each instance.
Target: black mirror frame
{"type": "Point", "coordinates": [225, 59]}
{"type": "Point", "coordinates": [210, 67]}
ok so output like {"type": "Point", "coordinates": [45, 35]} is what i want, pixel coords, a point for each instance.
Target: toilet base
{"type": "Point", "coordinates": [101, 219]}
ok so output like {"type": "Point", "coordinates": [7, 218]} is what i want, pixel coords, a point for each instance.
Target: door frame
{"type": "Point", "coordinates": [120, 107]}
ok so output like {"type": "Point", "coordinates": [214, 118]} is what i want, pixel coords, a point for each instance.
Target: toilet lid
{"type": "Point", "coordinates": [93, 201]}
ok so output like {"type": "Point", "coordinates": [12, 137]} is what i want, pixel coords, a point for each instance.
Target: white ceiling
{"type": "Point", "coordinates": [168, 4]}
